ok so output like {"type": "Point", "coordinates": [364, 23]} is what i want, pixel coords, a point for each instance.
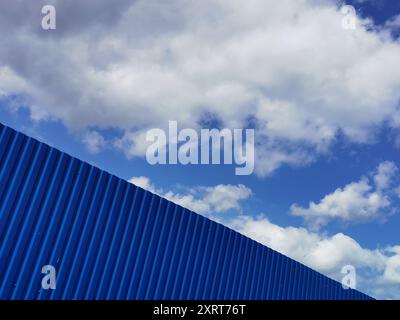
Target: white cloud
{"type": "Point", "coordinates": [143, 182]}
{"type": "Point", "coordinates": [204, 200]}
{"type": "Point", "coordinates": [132, 144]}
{"type": "Point", "coordinates": [393, 22]}
{"type": "Point", "coordinates": [211, 200]}
{"type": "Point", "coordinates": [94, 141]}
{"type": "Point", "coordinates": [392, 270]}
{"type": "Point", "coordinates": [224, 197]}
{"type": "Point", "coordinates": [384, 176]}
{"type": "Point", "coordinates": [10, 83]}
{"type": "Point", "coordinates": [288, 64]}
{"type": "Point", "coordinates": [358, 201]}
{"type": "Point", "coordinates": [190, 202]}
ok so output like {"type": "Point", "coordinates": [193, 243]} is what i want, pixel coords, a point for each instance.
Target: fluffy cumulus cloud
{"type": "Point", "coordinates": [364, 200]}
{"type": "Point", "coordinates": [210, 200]}
{"type": "Point", "coordinates": [204, 200]}
{"type": "Point", "coordinates": [287, 67]}
{"type": "Point", "coordinates": [392, 271]}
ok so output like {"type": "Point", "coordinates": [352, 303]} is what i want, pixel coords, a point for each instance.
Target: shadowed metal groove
{"type": "Point", "coordinates": [109, 239]}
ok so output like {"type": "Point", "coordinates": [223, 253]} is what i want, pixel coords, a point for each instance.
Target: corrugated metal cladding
{"type": "Point", "coordinates": [108, 239]}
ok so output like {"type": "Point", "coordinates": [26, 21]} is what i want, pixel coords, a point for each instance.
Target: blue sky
{"type": "Point", "coordinates": [93, 86]}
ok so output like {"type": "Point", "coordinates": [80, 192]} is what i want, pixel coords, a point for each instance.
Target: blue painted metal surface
{"type": "Point", "coordinates": [109, 239]}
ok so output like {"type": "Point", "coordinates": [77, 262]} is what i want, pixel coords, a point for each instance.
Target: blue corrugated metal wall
{"type": "Point", "coordinates": [111, 240]}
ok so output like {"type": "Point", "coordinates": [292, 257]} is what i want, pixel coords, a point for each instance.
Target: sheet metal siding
{"type": "Point", "coordinates": [109, 239]}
